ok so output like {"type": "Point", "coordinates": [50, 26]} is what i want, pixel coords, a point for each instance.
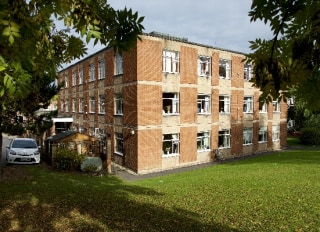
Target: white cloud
{"type": "Point", "coordinates": [224, 24]}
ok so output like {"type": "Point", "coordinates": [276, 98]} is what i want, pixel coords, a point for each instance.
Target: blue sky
{"type": "Point", "coordinates": [224, 24]}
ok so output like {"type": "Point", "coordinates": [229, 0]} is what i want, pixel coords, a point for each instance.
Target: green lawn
{"type": "Point", "coordinates": [277, 192]}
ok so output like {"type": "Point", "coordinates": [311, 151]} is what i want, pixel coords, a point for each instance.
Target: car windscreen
{"type": "Point", "coordinates": [24, 144]}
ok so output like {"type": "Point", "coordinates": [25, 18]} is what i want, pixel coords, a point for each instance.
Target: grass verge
{"type": "Point", "coordinates": [277, 192]}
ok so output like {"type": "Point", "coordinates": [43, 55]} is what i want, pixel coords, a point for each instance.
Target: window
{"type": "Point", "coordinates": [118, 104]}
{"type": "Point", "coordinates": [204, 66]}
{"type": "Point", "coordinates": [92, 105]}
{"type": "Point", "coordinates": [263, 134]}
{"type": "Point", "coordinates": [224, 139]}
{"type": "Point", "coordinates": [225, 68]}
{"type": "Point", "coordinates": [204, 103]}
{"type": "Point", "coordinates": [170, 103]}
{"type": "Point", "coordinates": [276, 133]}
{"type": "Point", "coordinates": [118, 64]}
{"type": "Point", "coordinates": [170, 61]}
{"type": "Point", "coordinates": [170, 144]}
{"type": "Point", "coordinates": [92, 72]}
{"type": "Point", "coordinates": [102, 101]}
{"type": "Point", "coordinates": [276, 106]}
{"type": "Point", "coordinates": [263, 107]}
{"type": "Point", "coordinates": [62, 106]}
{"type": "Point", "coordinates": [74, 78]}
{"type": "Point", "coordinates": [224, 104]}
{"type": "Point", "coordinates": [80, 76]}
{"type": "Point", "coordinates": [102, 69]}
{"type": "Point", "coordinates": [247, 136]}
{"type": "Point", "coordinates": [67, 106]}
{"type": "Point", "coordinates": [248, 104]}
{"type": "Point", "coordinates": [248, 72]}
{"type": "Point", "coordinates": [203, 141]}
{"type": "Point", "coordinates": [74, 105]}
{"type": "Point", "coordinates": [80, 104]}
{"type": "Point", "coordinates": [66, 82]}
{"type": "Point", "coordinates": [118, 137]}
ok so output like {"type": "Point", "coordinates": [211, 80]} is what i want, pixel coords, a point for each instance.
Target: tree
{"type": "Point", "coordinates": [32, 48]}
{"type": "Point", "coordinates": [289, 63]}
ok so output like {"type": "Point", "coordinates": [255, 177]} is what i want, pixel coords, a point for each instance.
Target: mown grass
{"type": "Point", "coordinates": [276, 192]}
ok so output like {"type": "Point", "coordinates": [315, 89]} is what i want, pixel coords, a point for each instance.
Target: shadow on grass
{"type": "Point", "coordinates": [51, 201]}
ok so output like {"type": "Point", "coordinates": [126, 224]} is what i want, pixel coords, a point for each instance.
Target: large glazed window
{"type": "Point", "coordinates": [170, 103]}
{"type": "Point", "coordinates": [170, 144]}
{"type": "Point", "coordinates": [170, 61]}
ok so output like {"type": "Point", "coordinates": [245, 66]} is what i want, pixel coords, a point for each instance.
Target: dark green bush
{"type": "Point", "coordinates": [65, 159]}
{"type": "Point", "coordinates": [310, 136]}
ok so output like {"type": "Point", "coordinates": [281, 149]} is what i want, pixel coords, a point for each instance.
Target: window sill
{"type": "Point", "coordinates": [205, 150]}
{"type": "Point", "coordinates": [261, 142]}
{"type": "Point", "coordinates": [262, 112]}
{"type": "Point", "coordinates": [204, 75]}
{"type": "Point", "coordinates": [248, 112]}
{"type": "Point", "coordinates": [118, 75]}
{"type": "Point", "coordinates": [118, 115]}
{"type": "Point", "coordinates": [204, 113]}
{"type": "Point", "coordinates": [247, 144]}
{"type": "Point", "coordinates": [221, 148]}
{"type": "Point", "coordinates": [118, 153]}
{"type": "Point", "coordinates": [166, 115]}
{"type": "Point", "coordinates": [226, 113]}
{"type": "Point", "coordinates": [102, 113]}
{"type": "Point", "coordinates": [170, 155]}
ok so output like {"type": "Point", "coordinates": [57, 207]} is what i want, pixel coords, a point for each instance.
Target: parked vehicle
{"type": "Point", "coordinates": [23, 151]}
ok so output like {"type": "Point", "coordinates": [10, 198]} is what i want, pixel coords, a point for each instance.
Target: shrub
{"type": "Point", "coordinates": [310, 136]}
{"type": "Point", "coordinates": [65, 159]}
{"type": "Point", "coordinates": [91, 168]}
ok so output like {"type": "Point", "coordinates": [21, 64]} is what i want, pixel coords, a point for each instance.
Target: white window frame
{"type": "Point", "coordinates": [263, 134]}
{"type": "Point", "coordinates": [81, 106]}
{"type": "Point", "coordinates": [225, 68]}
{"type": "Point", "coordinates": [248, 72]}
{"type": "Point", "coordinates": [102, 106]}
{"type": "Point", "coordinates": [92, 105]}
{"type": "Point", "coordinates": [263, 107]}
{"type": "Point", "coordinates": [74, 105]}
{"type": "Point", "coordinates": [276, 106]}
{"type": "Point", "coordinates": [204, 104]}
{"type": "Point", "coordinates": [275, 132]}
{"type": "Point", "coordinates": [224, 104]}
{"type": "Point", "coordinates": [248, 104]}
{"type": "Point", "coordinates": [118, 104]}
{"type": "Point", "coordinates": [224, 138]}
{"type": "Point", "coordinates": [247, 136]}
{"type": "Point", "coordinates": [170, 103]}
{"type": "Point", "coordinates": [170, 61]}
{"type": "Point", "coordinates": [203, 141]}
{"type": "Point", "coordinates": [118, 64]}
{"type": "Point", "coordinates": [118, 143]}
{"type": "Point", "coordinates": [204, 66]}
{"type": "Point", "coordinates": [74, 78]}
{"type": "Point", "coordinates": [170, 145]}
{"type": "Point", "coordinates": [92, 69]}
{"type": "Point", "coordinates": [80, 76]}
{"type": "Point", "coordinates": [102, 69]}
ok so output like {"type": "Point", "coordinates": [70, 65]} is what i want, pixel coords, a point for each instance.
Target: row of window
{"type": "Point", "coordinates": [170, 64]}
{"type": "Point", "coordinates": [171, 142]}
{"type": "Point", "coordinates": [170, 104]}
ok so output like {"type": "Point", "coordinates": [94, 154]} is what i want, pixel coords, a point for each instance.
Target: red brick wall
{"type": "Point", "coordinates": [149, 60]}
{"type": "Point", "coordinates": [214, 136]}
{"type": "Point", "coordinates": [236, 105]}
{"type": "Point", "coordinates": [255, 136]}
{"type": "Point", "coordinates": [109, 58]}
{"type": "Point", "coordinates": [188, 144]}
{"type": "Point", "coordinates": [270, 142]}
{"type": "Point", "coordinates": [188, 106]}
{"type": "Point", "coordinates": [236, 138]}
{"type": "Point", "coordinates": [215, 105]}
{"type": "Point", "coordinates": [130, 149]}
{"type": "Point", "coordinates": [215, 68]}
{"type": "Point", "coordinates": [188, 65]}
{"type": "Point", "coordinates": [109, 104]}
{"type": "Point", "coordinates": [130, 105]}
{"type": "Point", "coordinates": [237, 72]}
{"type": "Point", "coordinates": [256, 105]}
{"type": "Point", "coordinates": [283, 134]}
{"type": "Point", "coordinates": [149, 102]}
{"type": "Point", "coordinates": [150, 149]}
{"type": "Point", "coordinates": [129, 66]}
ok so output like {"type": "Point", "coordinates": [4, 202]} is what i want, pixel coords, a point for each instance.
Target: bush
{"type": "Point", "coordinates": [310, 136]}
{"type": "Point", "coordinates": [65, 159]}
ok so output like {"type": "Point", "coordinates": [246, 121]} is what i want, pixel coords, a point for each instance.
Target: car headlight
{"type": "Point", "coordinates": [36, 153]}
{"type": "Point", "coordinates": [12, 152]}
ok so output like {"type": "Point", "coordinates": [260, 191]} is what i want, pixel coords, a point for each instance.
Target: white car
{"type": "Point", "coordinates": [23, 151]}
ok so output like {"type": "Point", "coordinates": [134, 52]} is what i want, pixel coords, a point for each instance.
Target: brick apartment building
{"type": "Point", "coordinates": [170, 103]}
